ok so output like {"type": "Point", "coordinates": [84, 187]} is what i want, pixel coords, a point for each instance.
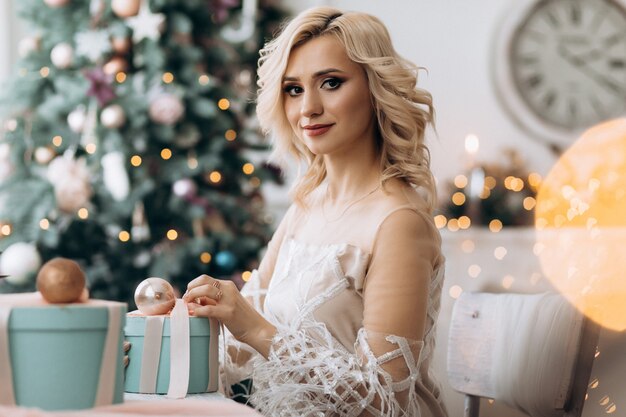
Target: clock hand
{"type": "Point", "coordinates": [581, 64]}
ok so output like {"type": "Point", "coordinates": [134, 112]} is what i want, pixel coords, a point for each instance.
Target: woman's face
{"type": "Point", "coordinates": [327, 99]}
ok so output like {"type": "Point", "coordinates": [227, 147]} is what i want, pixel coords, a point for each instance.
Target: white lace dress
{"type": "Point", "coordinates": [323, 361]}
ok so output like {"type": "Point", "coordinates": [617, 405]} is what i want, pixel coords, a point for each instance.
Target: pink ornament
{"type": "Point", "coordinates": [113, 116]}
{"type": "Point", "coordinates": [125, 8]}
{"type": "Point", "coordinates": [62, 55]}
{"type": "Point", "coordinates": [166, 109]}
{"type": "Point", "coordinates": [155, 296]}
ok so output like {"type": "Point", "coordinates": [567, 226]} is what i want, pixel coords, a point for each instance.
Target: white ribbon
{"type": "Point", "coordinates": [150, 355]}
{"type": "Point", "coordinates": [213, 356]}
{"type": "Point", "coordinates": [179, 351]}
{"type": "Point", "coordinates": [106, 382]}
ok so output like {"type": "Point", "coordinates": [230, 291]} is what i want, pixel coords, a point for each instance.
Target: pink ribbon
{"type": "Point", "coordinates": [106, 382]}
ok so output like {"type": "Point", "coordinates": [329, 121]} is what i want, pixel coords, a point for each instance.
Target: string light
{"type": "Point", "coordinates": [166, 153]}
{"type": "Point", "coordinates": [453, 225]}
{"type": "Point", "coordinates": [90, 148]}
{"type": "Point", "coordinates": [473, 271]}
{"type": "Point", "coordinates": [255, 182]}
{"type": "Point", "coordinates": [5, 230]}
{"type": "Point", "coordinates": [248, 168]}
{"type": "Point", "coordinates": [192, 162]}
{"type": "Point", "coordinates": [205, 257]}
{"type": "Point", "coordinates": [468, 246]}
{"type": "Point", "coordinates": [460, 181]}
{"type": "Point", "coordinates": [464, 222]}
{"type": "Point", "coordinates": [440, 221]}
{"type": "Point", "coordinates": [500, 252]}
{"type": "Point", "coordinates": [604, 400]}
{"type": "Point", "coordinates": [230, 135]}
{"type": "Point", "coordinates": [124, 236]}
{"type": "Point", "coordinates": [507, 281]}
{"type": "Point", "coordinates": [485, 193]}
{"type": "Point", "coordinates": [534, 180]}
{"type": "Point", "coordinates": [120, 77]}
{"type": "Point", "coordinates": [172, 234]}
{"type": "Point", "coordinates": [223, 104]}
{"type": "Point", "coordinates": [458, 198]}
{"type": "Point", "coordinates": [490, 182]}
{"type": "Point", "coordinates": [215, 177]}
{"type": "Point", "coordinates": [495, 225]}
{"type": "Point", "coordinates": [455, 291]}
{"type": "Point", "coordinates": [83, 213]}
{"type": "Point", "coordinates": [168, 77]}
{"type": "Point", "coordinates": [44, 72]}
{"type": "Point", "coordinates": [204, 79]}
{"type": "Point", "coordinates": [529, 203]}
{"type": "Point", "coordinates": [246, 275]}
{"type": "Point", "coordinates": [594, 383]}
{"type": "Point", "coordinates": [44, 224]}
{"type": "Point", "coordinates": [57, 141]}
{"type": "Point", "coordinates": [135, 160]}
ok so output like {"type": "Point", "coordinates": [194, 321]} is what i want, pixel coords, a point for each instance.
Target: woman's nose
{"type": "Point", "coordinates": [311, 104]}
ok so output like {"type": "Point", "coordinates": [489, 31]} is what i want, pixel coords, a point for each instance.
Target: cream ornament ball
{"type": "Point", "coordinates": [62, 55]}
{"type": "Point", "coordinates": [19, 261]}
{"type": "Point", "coordinates": [28, 45]}
{"type": "Point", "coordinates": [166, 109]}
{"type": "Point", "coordinates": [185, 188]}
{"type": "Point", "coordinates": [155, 296]}
{"type": "Point", "coordinates": [125, 8]}
{"type": "Point", "coordinates": [43, 155]}
{"type": "Point", "coordinates": [113, 116]}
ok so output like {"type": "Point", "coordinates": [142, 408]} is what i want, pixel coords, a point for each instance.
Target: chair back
{"type": "Point", "coordinates": [534, 352]}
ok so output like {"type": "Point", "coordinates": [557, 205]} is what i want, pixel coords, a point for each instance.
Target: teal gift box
{"type": "Point", "coordinates": [150, 370]}
{"type": "Point", "coordinates": [60, 356]}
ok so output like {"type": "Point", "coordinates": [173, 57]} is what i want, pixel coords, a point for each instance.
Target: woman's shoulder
{"type": "Point", "coordinates": [397, 195]}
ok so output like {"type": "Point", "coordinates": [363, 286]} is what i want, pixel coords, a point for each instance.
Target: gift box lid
{"type": "Point", "coordinates": [136, 324]}
{"type": "Point", "coordinates": [61, 317]}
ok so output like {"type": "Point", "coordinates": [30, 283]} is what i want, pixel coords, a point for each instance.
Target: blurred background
{"type": "Point", "coordinates": [128, 140]}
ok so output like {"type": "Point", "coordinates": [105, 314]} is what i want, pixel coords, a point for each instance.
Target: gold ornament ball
{"type": "Point", "coordinates": [155, 296]}
{"type": "Point", "coordinates": [61, 280]}
{"type": "Point", "coordinates": [125, 8]}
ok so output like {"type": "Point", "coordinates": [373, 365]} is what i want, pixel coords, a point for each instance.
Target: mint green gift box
{"type": "Point", "coordinates": [56, 354]}
{"type": "Point", "coordinates": [203, 355]}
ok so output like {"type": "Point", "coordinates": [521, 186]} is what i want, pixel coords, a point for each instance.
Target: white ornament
{"type": "Point", "coordinates": [56, 3]}
{"type": "Point", "coordinates": [62, 55]}
{"type": "Point", "coordinates": [92, 44]}
{"type": "Point", "coordinates": [43, 155]}
{"type": "Point", "coordinates": [166, 109]}
{"type": "Point", "coordinates": [19, 261]}
{"type": "Point", "coordinates": [185, 188]}
{"type": "Point", "coordinates": [115, 176]}
{"type": "Point", "coordinates": [70, 178]}
{"type": "Point", "coordinates": [113, 116]}
{"type": "Point", "coordinates": [76, 119]}
{"type": "Point", "coordinates": [146, 24]}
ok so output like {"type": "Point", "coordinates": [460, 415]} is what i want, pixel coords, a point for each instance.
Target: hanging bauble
{"type": "Point", "coordinates": [185, 188]}
{"type": "Point", "coordinates": [62, 55]}
{"type": "Point", "coordinates": [121, 44]}
{"type": "Point", "coordinates": [113, 116]}
{"type": "Point", "coordinates": [154, 296]}
{"type": "Point", "coordinates": [125, 8]}
{"type": "Point", "coordinates": [115, 65]}
{"type": "Point", "coordinates": [28, 45]}
{"type": "Point", "coordinates": [61, 280]}
{"type": "Point", "coordinates": [114, 175]}
{"type": "Point", "coordinates": [76, 119]}
{"type": "Point", "coordinates": [43, 155]}
{"type": "Point", "coordinates": [71, 181]}
{"type": "Point", "coordinates": [56, 3]}
{"type": "Point", "coordinates": [6, 165]}
{"type": "Point", "coordinates": [166, 109]}
{"type": "Point", "coordinates": [226, 260]}
{"type": "Point", "coordinates": [19, 261]}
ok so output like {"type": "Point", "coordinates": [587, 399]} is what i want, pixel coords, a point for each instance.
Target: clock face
{"type": "Point", "coordinates": [568, 62]}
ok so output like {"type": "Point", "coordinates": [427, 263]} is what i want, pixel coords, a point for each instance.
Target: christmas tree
{"type": "Point", "coordinates": [128, 142]}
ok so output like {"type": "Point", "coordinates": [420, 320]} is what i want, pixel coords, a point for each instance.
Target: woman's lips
{"type": "Point", "coordinates": [316, 130]}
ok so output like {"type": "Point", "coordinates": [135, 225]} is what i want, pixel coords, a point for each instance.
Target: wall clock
{"type": "Point", "coordinates": [559, 66]}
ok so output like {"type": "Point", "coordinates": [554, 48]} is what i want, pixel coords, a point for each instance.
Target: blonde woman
{"type": "Point", "coordinates": [339, 318]}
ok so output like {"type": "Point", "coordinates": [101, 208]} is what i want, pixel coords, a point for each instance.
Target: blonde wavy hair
{"type": "Point", "coordinates": [403, 111]}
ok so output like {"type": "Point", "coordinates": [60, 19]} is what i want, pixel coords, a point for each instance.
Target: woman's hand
{"type": "Point", "coordinates": [126, 346]}
{"type": "Point", "coordinates": [209, 297]}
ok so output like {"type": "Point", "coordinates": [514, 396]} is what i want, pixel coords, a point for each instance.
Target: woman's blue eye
{"type": "Point", "coordinates": [332, 83]}
{"type": "Point", "coordinates": [292, 90]}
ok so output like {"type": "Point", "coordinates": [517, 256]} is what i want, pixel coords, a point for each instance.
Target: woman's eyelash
{"type": "Point", "coordinates": [332, 83]}
{"type": "Point", "coordinates": [291, 89]}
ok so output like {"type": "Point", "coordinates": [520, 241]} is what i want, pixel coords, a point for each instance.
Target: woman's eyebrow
{"type": "Point", "coordinates": [315, 75]}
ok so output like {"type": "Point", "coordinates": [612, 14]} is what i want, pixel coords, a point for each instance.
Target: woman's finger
{"type": "Point", "coordinates": [204, 291]}
{"type": "Point", "coordinates": [198, 281]}
{"type": "Point", "coordinates": [197, 310]}
{"type": "Point", "coordinates": [126, 345]}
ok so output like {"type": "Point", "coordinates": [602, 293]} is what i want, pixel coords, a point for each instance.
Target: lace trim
{"type": "Point", "coordinates": [308, 374]}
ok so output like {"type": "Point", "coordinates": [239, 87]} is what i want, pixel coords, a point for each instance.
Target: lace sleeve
{"type": "Point", "coordinates": [309, 373]}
